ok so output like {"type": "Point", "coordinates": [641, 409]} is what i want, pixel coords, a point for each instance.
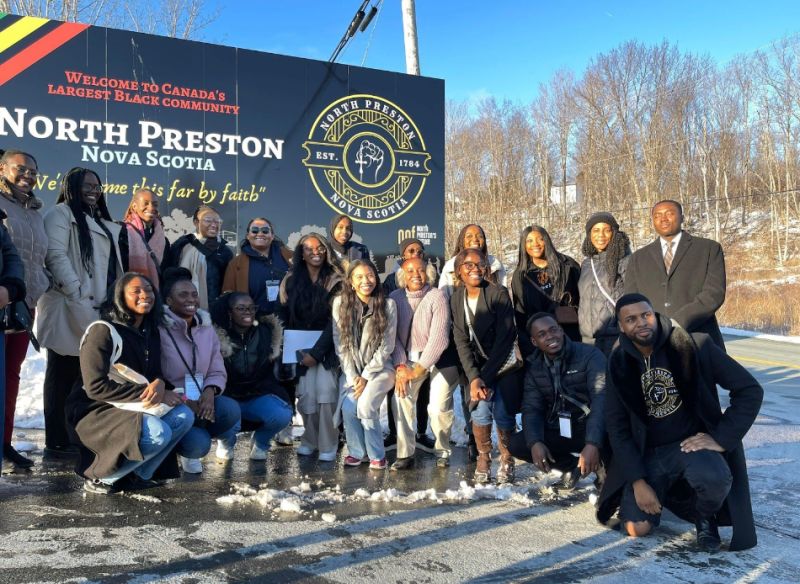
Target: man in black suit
{"type": "Point", "coordinates": [683, 276]}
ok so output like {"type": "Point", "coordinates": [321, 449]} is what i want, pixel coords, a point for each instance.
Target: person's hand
{"type": "Point", "coordinates": [171, 398]}
{"type": "Point", "coordinates": [646, 498]}
{"type": "Point", "coordinates": [700, 441]}
{"type": "Point", "coordinates": [358, 386]}
{"type": "Point", "coordinates": [589, 459]}
{"type": "Point", "coordinates": [541, 456]}
{"type": "Point", "coordinates": [3, 297]}
{"type": "Point", "coordinates": [153, 393]}
{"type": "Point", "coordinates": [478, 390]}
{"type": "Point", "coordinates": [206, 405]}
{"type": "Point", "coordinates": [307, 360]}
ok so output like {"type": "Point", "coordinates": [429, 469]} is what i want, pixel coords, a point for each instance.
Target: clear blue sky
{"type": "Point", "coordinates": [502, 48]}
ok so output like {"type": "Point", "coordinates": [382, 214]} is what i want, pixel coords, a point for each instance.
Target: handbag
{"type": "Point", "coordinates": [16, 318]}
{"type": "Point", "coordinates": [514, 359]}
{"type": "Point", "coordinates": [564, 314]}
{"type": "Point", "coordinates": [120, 373]}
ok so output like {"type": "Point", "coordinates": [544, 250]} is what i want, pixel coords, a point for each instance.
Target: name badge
{"type": "Point", "coordinates": [565, 424]}
{"type": "Point", "coordinates": [190, 387]}
{"type": "Point", "coordinates": [273, 287]}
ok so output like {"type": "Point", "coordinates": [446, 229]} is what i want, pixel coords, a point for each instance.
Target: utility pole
{"type": "Point", "coordinates": [410, 37]}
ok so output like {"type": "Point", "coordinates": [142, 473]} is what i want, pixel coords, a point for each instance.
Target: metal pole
{"type": "Point", "coordinates": [410, 37]}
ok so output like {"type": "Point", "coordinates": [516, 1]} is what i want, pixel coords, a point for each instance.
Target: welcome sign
{"type": "Point", "coordinates": [249, 133]}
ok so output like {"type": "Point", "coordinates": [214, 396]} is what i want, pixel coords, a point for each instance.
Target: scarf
{"type": "Point", "coordinates": [145, 257]}
{"type": "Point", "coordinates": [193, 260]}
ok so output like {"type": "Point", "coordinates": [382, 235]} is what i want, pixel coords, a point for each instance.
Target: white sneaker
{"type": "Point", "coordinates": [327, 456]}
{"type": "Point", "coordinates": [191, 465]}
{"type": "Point", "coordinates": [284, 437]}
{"type": "Point", "coordinates": [223, 452]}
{"type": "Point", "coordinates": [257, 453]}
{"type": "Point", "coordinates": [304, 450]}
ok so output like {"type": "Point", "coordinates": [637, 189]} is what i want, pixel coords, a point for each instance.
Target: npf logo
{"type": "Point", "coordinates": [367, 158]}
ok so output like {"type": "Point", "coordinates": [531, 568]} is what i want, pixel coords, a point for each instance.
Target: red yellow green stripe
{"type": "Point", "coordinates": [39, 49]}
{"type": "Point", "coordinates": [19, 30]}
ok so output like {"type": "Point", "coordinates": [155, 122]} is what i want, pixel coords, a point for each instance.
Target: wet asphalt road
{"type": "Point", "coordinates": [50, 531]}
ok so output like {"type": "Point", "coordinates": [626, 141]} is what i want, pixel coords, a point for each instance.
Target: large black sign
{"type": "Point", "coordinates": [249, 133]}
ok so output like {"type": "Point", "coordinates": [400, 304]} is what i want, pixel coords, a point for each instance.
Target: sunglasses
{"type": "Point", "coordinates": [317, 250]}
{"type": "Point", "coordinates": [265, 230]}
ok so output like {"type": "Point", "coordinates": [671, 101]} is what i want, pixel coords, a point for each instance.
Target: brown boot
{"type": "Point", "coordinates": [483, 438]}
{"type": "Point", "coordinates": [506, 472]}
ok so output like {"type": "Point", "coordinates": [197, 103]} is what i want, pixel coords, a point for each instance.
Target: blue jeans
{"type": "Point", "coordinates": [364, 435]}
{"type": "Point", "coordinates": [494, 408]}
{"type": "Point", "coordinates": [159, 436]}
{"type": "Point", "coordinates": [197, 441]}
{"type": "Point", "coordinates": [271, 412]}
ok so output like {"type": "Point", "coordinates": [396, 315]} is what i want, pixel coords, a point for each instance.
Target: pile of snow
{"type": "Point", "coordinates": [302, 498]}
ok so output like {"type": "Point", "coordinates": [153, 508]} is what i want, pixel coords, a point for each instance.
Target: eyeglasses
{"type": "Point", "coordinates": [317, 250]}
{"type": "Point", "coordinates": [472, 265]}
{"type": "Point", "coordinates": [266, 230]}
{"type": "Point", "coordinates": [87, 188]}
{"type": "Point", "coordinates": [210, 221]}
{"type": "Point", "coordinates": [24, 170]}
{"type": "Point", "coordinates": [245, 309]}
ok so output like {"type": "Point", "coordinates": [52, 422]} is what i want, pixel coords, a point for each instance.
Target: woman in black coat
{"type": "Point", "coordinates": [487, 308]}
{"type": "Point", "coordinates": [250, 348]}
{"type": "Point", "coordinates": [122, 445]}
{"type": "Point", "coordinates": [543, 280]}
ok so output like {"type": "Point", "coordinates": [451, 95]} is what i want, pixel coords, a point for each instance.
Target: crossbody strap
{"type": "Point", "coordinates": [600, 286]}
{"type": "Point", "coordinates": [472, 336]}
{"type": "Point", "coordinates": [116, 340]}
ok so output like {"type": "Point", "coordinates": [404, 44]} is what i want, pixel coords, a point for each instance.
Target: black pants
{"type": "Point", "coordinates": [60, 375]}
{"type": "Point", "coordinates": [706, 471]}
{"type": "Point", "coordinates": [423, 399]}
{"type": "Point", "coordinates": [560, 448]}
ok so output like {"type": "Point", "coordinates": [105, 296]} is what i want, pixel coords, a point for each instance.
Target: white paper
{"type": "Point", "coordinates": [294, 340]}
{"type": "Point", "coordinates": [190, 387]}
{"type": "Point", "coordinates": [272, 291]}
{"type": "Point", "coordinates": [565, 425]}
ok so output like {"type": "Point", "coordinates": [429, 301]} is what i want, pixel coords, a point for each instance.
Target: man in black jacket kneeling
{"type": "Point", "coordinates": [673, 446]}
{"type": "Point", "coordinates": [562, 403]}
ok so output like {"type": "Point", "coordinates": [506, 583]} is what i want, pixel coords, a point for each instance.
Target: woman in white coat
{"type": "Point", "coordinates": [83, 260]}
{"type": "Point", "coordinates": [364, 328]}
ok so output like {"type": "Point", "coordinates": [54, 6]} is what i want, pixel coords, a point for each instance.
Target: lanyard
{"type": "Point", "coordinates": [193, 369]}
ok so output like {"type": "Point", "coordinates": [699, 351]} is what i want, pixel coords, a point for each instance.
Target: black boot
{"type": "Point", "coordinates": [10, 454]}
{"type": "Point", "coordinates": [472, 449]}
{"type": "Point", "coordinates": [707, 534]}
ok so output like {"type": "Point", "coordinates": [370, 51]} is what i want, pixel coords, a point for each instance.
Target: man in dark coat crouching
{"type": "Point", "coordinates": [672, 444]}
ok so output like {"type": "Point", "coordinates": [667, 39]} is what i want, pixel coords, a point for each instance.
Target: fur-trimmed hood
{"type": "Point", "coordinates": [228, 345]}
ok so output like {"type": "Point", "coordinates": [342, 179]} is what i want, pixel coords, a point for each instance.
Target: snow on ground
{"type": "Point", "coordinates": [305, 498]}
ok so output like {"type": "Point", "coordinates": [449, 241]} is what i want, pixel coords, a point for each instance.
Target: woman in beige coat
{"type": "Point", "coordinates": [83, 259]}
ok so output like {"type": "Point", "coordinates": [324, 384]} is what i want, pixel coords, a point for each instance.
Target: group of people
{"type": "Point", "coordinates": [154, 348]}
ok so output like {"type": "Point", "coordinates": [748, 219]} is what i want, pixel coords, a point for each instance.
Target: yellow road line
{"type": "Point", "coordinates": [19, 30]}
{"type": "Point", "coordinates": [765, 362]}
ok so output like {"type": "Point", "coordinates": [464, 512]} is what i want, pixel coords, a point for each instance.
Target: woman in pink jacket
{"type": "Point", "coordinates": [191, 360]}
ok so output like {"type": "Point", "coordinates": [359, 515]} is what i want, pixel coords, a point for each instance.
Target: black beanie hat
{"type": "Point", "coordinates": [406, 242]}
{"type": "Point", "coordinates": [601, 217]}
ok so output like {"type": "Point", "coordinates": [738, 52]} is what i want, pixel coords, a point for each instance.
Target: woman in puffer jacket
{"type": "Point", "coordinates": [602, 281]}
{"type": "Point", "coordinates": [250, 349]}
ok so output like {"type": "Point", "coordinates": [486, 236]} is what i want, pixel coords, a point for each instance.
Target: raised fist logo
{"type": "Point", "coordinates": [369, 155]}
